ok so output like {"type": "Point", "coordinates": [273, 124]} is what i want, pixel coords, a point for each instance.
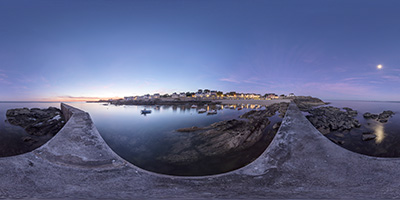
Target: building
{"type": "Point", "coordinates": [156, 96]}
{"type": "Point", "coordinates": [291, 95]}
{"type": "Point", "coordinates": [130, 98]}
{"type": "Point", "coordinates": [174, 95]}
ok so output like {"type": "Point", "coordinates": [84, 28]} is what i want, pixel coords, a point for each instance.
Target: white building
{"type": "Point", "coordinates": [130, 98]}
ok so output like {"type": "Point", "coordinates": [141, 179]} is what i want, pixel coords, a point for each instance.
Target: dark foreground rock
{"type": "Point", "coordinates": [327, 119]}
{"type": "Point", "coordinates": [223, 137]}
{"type": "Point", "coordinates": [35, 121]}
{"type": "Point", "coordinates": [382, 117]}
{"type": "Point", "coordinates": [305, 103]}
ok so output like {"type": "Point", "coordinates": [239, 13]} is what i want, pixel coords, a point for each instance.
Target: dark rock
{"type": "Point", "coordinates": [37, 121]}
{"type": "Point", "coordinates": [305, 103]}
{"type": "Point", "coordinates": [191, 129]}
{"type": "Point", "coordinates": [382, 117]}
{"type": "Point", "coordinates": [327, 119]}
{"type": "Point", "coordinates": [277, 125]}
{"type": "Point", "coordinates": [336, 141]}
{"type": "Point", "coordinates": [369, 136]}
{"type": "Point", "coordinates": [222, 137]}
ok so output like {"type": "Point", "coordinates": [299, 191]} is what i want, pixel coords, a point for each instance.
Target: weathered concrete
{"type": "Point", "coordinates": [299, 163]}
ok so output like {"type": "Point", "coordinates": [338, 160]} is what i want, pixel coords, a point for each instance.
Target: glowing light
{"type": "Point", "coordinates": [379, 66]}
{"type": "Point", "coordinates": [380, 133]}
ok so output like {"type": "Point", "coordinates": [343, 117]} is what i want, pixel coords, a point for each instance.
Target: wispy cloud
{"type": "Point", "coordinates": [338, 88]}
{"type": "Point", "coordinates": [232, 80]}
{"type": "Point", "coordinates": [391, 78]}
{"type": "Point", "coordinates": [75, 98]}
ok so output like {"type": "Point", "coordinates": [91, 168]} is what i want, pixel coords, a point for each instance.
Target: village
{"type": "Point", "coordinates": [207, 95]}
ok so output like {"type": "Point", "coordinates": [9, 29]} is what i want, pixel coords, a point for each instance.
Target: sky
{"type": "Point", "coordinates": [60, 50]}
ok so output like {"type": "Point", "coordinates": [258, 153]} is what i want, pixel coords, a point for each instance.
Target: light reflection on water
{"type": "Point", "coordinates": [379, 131]}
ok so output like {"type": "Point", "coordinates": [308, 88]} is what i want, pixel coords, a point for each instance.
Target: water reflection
{"type": "Point", "coordinates": [379, 131]}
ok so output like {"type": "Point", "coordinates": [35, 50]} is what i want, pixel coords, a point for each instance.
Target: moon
{"type": "Point", "coordinates": [379, 66]}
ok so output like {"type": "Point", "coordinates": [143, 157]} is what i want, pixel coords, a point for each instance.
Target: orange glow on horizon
{"type": "Point", "coordinates": [77, 99]}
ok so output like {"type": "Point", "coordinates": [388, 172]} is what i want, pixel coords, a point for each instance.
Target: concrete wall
{"type": "Point", "coordinates": [299, 163]}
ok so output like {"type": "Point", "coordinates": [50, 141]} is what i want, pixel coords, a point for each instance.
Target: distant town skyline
{"type": "Point", "coordinates": [86, 50]}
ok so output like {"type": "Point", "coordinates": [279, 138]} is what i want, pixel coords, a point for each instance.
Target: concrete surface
{"type": "Point", "coordinates": [299, 163]}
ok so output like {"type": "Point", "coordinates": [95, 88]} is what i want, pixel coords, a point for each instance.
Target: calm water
{"type": "Point", "coordinates": [11, 137]}
{"type": "Point", "coordinates": [387, 141]}
{"type": "Point", "coordinates": [143, 140]}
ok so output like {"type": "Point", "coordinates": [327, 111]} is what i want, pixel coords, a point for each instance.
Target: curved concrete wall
{"type": "Point", "coordinates": [299, 163]}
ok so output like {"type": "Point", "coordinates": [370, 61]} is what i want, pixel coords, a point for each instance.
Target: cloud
{"type": "Point", "coordinates": [232, 80]}
{"type": "Point", "coordinates": [338, 88]}
{"type": "Point", "coordinates": [75, 98]}
{"type": "Point", "coordinates": [391, 78]}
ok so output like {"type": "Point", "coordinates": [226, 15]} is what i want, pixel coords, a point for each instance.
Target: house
{"type": "Point", "coordinates": [174, 95]}
{"type": "Point", "coordinates": [199, 94]}
{"type": "Point", "coordinates": [182, 95]}
{"type": "Point", "coordinates": [291, 95]}
{"type": "Point", "coordinates": [155, 96]}
{"type": "Point", "coordinates": [130, 98]}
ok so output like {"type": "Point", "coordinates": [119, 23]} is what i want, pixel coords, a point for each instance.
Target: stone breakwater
{"type": "Point", "coordinates": [223, 137]}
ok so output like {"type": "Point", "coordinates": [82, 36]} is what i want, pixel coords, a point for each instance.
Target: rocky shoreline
{"type": "Point", "coordinates": [38, 123]}
{"type": "Point", "coordinates": [223, 137]}
{"type": "Point", "coordinates": [329, 119]}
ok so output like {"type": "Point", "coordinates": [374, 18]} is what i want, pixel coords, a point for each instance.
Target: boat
{"type": "Point", "coordinates": [193, 106]}
{"type": "Point", "coordinates": [240, 108]}
{"type": "Point", "coordinates": [212, 112]}
{"type": "Point", "coordinates": [232, 107]}
{"type": "Point", "coordinates": [144, 111]}
{"type": "Point", "coordinates": [202, 110]}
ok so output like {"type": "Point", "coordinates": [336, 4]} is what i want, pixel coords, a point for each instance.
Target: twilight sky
{"type": "Point", "coordinates": [71, 49]}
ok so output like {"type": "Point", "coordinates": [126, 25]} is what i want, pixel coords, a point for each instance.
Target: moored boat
{"type": "Point", "coordinates": [212, 112]}
{"type": "Point", "coordinates": [202, 110]}
{"type": "Point", "coordinates": [144, 111]}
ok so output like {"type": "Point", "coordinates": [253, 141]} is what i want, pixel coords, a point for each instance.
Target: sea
{"type": "Point", "coordinates": [143, 139]}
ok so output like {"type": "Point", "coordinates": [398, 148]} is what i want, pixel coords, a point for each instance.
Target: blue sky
{"type": "Point", "coordinates": [60, 49]}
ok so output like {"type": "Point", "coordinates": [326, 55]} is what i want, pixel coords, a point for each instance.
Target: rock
{"type": "Point", "coordinates": [382, 117]}
{"type": "Point", "coordinates": [327, 119]}
{"type": "Point", "coordinates": [305, 103]}
{"type": "Point", "coordinates": [37, 121]}
{"type": "Point", "coordinates": [277, 125]}
{"type": "Point", "coordinates": [336, 141]}
{"type": "Point", "coordinates": [369, 136]}
{"type": "Point", "coordinates": [341, 135]}
{"type": "Point", "coordinates": [191, 129]}
{"type": "Point", "coordinates": [323, 130]}
{"type": "Point", "coordinates": [222, 137]}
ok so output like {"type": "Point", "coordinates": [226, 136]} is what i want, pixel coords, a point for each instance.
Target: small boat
{"type": "Point", "coordinates": [202, 110]}
{"type": "Point", "coordinates": [232, 107]}
{"type": "Point", "coordinates": [240, 108]}
{"type": "Point", "coordinates": [144, 111]}
{"type": "Point", "coordinates": [212, 112]}
{"type": "Point", "coordinates": [193, 106]}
